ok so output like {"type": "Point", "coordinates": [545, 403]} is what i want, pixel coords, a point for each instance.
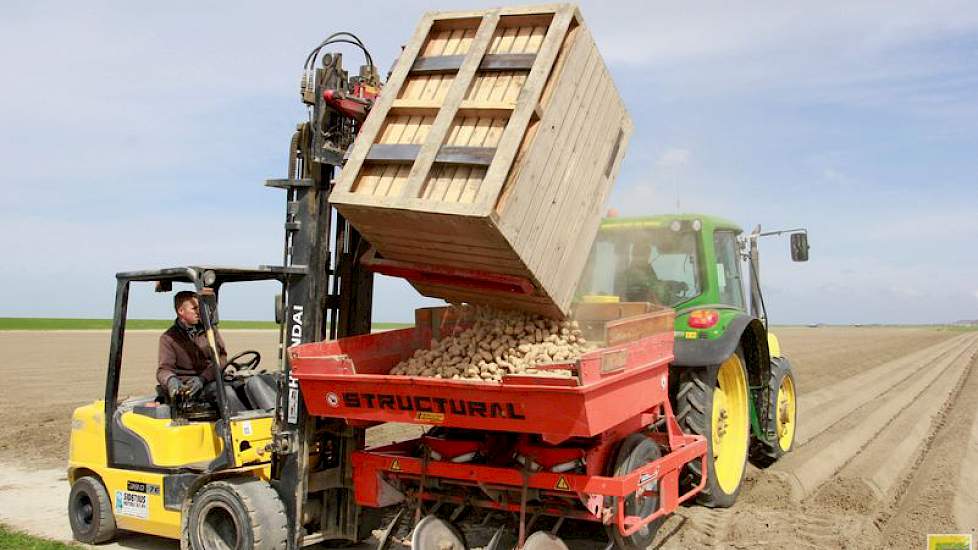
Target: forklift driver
{"type": "Point", "coordinates": [185, 364]}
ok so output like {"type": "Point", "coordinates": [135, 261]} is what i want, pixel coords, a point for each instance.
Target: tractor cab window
{"type": "Point", "coordinates": [643, 265]}
{"type": "Point", "coordinates": [729, 282]}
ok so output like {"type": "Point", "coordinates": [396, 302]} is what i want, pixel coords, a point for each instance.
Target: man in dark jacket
{"type": "Point", "coordinates": [185, 360]}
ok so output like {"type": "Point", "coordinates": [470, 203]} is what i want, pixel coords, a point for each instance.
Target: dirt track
{"type": "Point", "coordinates": [888, 434]}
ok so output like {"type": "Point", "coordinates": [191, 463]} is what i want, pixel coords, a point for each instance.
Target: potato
{"type": "Point", "coordinates": [496, 344]}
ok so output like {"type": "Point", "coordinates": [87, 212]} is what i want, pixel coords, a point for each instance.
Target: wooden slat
{"type": "Point", "coordinates": [367, 135]}
{"type": "Point", "coordinates": [400, 153]}
{"type": "Point", "coordinates": [539, 304]}
{"type": "Point", "coordinates": [420, 243]}
{"type": "Point", "coordinates": [446, 115]}
{"type": "Point", "coordinates": [437, 64]}
{"type": "Point", "coordinates": [527, 102]}
{"type": "Point", "coordinates": [564, 233]}
{"type": "Point", "coordinates": [530, 11]}
{"type": "Point", "coordinates": [562, 247]}
{"type": "Point", "coordinates": [569, 256]}
{"type": "Point", "coordinates": [428, 226]}
{"type": "Point", "coordinates": [491, 62]}
{"type": "Point", "coordinates": [471, 156]}
{"type": "Point", "coordinates": [578, 68]}
{"type": "Point", "coordinates": [553, 177]}
{"type": "Point", "coordinates": [467, 106]}
{"type": "Point", "coordinates": [421, 254]}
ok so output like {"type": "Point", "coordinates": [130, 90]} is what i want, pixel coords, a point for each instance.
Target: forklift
{"type": "Point", "coordinates": [267, 475]}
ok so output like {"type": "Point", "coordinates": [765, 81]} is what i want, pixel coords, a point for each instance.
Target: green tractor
{"type": "Point", "coordinates": [729, 381]}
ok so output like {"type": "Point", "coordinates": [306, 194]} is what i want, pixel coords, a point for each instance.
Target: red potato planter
{"type": "Point", "coordinates": [582, 447]}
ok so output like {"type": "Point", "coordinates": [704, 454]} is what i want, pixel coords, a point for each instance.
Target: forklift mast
{"type": "Point", "coordinates": [311, 467]}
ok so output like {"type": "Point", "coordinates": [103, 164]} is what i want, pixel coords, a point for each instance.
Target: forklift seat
{"type": "Point", "coordinates": [261, 391]}
{"type": "Point", "coordinates": [235, 405]}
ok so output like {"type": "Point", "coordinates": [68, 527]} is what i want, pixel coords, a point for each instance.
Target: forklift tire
{"type": "Point", "coordinates": [90, 511]}
{"type": "Point", "coordinates": [636, 451]}
{"type": "Point", "coordinates": [700, 391]}
{"type": "Point", "coordinates": [782, 415]}
{"type": "Point", "coordinates": [236, 513]}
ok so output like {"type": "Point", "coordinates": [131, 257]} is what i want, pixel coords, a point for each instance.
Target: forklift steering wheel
{"type": "Point", "coordinates": [253, 358]}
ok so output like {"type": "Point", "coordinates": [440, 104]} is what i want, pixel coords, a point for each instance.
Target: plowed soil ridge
{"type": "Point", "coordinates": [857, 498]}
{"type": "Point", "coordinates": [823, 408]}
{"type": "Point", "coordinates": [817, 461]}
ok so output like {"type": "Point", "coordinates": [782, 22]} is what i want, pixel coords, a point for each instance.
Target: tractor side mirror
{"type": "Point", "coordinates": [799, 247]}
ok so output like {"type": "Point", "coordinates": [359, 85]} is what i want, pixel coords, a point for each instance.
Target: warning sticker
{"type": "Point", "coordinates": [562, 484]}
{"type": "Point", "coordinates": [431, 417]}
{"type": "Point", "coordinates": [246, 428]}
{"type": "Point", "coordinates": [395, 465]}
{"type": "Point", "coordinates": [131, 504]}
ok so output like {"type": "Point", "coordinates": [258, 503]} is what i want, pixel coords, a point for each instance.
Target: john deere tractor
{"type": "Point", "coordinates": [729, 381]}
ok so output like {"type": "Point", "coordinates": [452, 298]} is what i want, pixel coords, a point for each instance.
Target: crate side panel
{"type": "Point", "coordinates": [432, 253]}
{"type": "Point", "coordinates": [567, 133]}
{"type": "Point", "coordinates": [550, 215]}
{"type": "Point", "coordinates": [576, 177]}
{"type": "Point", "coordinates": [568, 254]}
{"type": "Point", "coordinates": [429, 226]}
{"type": "Point", "coordinates": [535, 303]}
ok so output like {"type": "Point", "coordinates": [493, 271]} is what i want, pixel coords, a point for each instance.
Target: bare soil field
{"type": "Point", "coordinates": [886, 452]}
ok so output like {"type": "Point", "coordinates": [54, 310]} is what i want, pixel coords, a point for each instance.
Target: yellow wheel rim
{"type": "Point", "coordinates": [786, 413]}
{"type": "Point", "coordinates": [731, 423]}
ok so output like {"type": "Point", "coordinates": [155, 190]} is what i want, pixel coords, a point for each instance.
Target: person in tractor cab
{"type": "Point", "coordinates": [186, 366]}
{"type": "Point", "coordinates": [641, 282]}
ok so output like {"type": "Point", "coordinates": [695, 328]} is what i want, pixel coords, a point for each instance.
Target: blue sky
{"type": "Point", "coordinates": [139, 135]}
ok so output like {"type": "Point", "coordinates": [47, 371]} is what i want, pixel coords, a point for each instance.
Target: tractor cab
{"type": "Point", "coordinates": [149, 451]}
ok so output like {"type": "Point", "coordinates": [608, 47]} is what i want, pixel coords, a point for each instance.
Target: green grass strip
{"type": "Point", "coordinates": [12, 540]}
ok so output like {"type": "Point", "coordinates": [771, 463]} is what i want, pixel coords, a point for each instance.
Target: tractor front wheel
{"type": "Point", "coordinates": [781, 416]}
{"type": "Point", "coordinates": [713, 402]}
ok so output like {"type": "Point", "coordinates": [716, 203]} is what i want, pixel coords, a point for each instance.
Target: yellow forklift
{"type": "Point", "coordinates": [262, 474]}
{"type": "Point", "coordinates": [134, 463]}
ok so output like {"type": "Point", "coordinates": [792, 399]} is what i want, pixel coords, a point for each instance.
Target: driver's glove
{"type": "Point", "coordinates": [192, 386]}
{"type": "Point", "coordinates": [173, 386]}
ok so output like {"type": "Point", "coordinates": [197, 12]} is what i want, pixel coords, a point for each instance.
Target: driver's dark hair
{"type": "Point", "coordinates": [182, 297]}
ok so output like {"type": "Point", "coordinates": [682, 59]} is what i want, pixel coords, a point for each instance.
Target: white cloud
{"type": "Point", "coordinates": [835, 177]}
{"type": "Point", "coordinates": [674, 157]}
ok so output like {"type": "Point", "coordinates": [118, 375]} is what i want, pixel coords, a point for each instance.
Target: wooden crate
{"type": "Point", "coordinates": [491, 149]}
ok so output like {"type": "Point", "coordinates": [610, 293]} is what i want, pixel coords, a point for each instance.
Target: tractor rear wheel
{"type": "Point", "coordinates": [713, 402]}
{"type": "Point", "coordinates": [781, 416]}
{"type": "Point", "coordinates": [90, 511]}
{"type": "Point", "coordinates": [236, 513]}
{"type": "Point", "coordinates": [636, 451]}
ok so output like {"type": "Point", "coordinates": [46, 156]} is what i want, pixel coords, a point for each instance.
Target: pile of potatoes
{"type": "Point", "coordinates": [497, 343]}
